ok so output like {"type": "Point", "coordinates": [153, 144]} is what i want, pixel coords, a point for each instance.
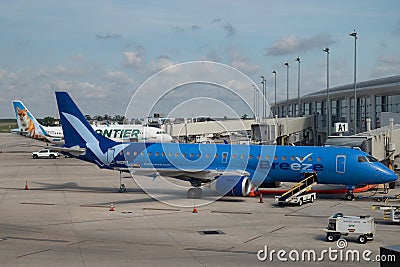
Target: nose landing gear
{"type": "Point", "coordinates": [350, 195]}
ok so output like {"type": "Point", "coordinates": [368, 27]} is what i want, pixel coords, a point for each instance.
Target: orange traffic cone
{"type": "Point", "coordinates": [26, 185]}
{"type": "Point", "coordinates": [194, 209]}
{"type": "Point", "coordinates": [112, 207]}
{"type": "Point", "coordinates": [261, 198]}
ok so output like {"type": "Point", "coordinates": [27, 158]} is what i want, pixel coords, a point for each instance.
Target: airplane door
{"type": "Point", "coordinates": [225, 157]}
{"type": "Point", "coordinates": [110, 155]}
{"type": "Point", "coordinates": [341, 163]}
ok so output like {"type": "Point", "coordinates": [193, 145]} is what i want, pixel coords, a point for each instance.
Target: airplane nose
{"type": "Point", "coordinates": [389, 176]}
{"type": "Point", "coordinates": [167, 138]}
{"type": "Point", "coordinates": [393, 177]}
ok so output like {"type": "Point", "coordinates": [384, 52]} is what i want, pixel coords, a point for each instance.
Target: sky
{"type": "Point", "coordinates": [103, 52]}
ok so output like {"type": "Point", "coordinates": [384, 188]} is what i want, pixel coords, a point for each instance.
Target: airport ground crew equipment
{"type": "Point", "coordinates": [341, 225]}
{"type": "Point", "coordinates": [298, 193]}
{"type": "Point", "coordinates": [390, 212]}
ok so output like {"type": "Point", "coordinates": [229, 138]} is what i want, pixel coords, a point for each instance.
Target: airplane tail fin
{"type": "Point", "coordinates": [27, 123]}
{"type": "Point", "coordinates": [76, 129]}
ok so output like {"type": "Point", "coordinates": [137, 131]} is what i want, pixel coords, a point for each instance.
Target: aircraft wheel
{"type": "Point", "coordinates": [362, 239]}
{"type": "Point", "coordinates": [194, 193]}
{"type": "Point", "coordinates": [122, 189]}
{"type": "Point", "coordinates": [349, 197]}
{"type": "Point", "coordinates": [330, 237]}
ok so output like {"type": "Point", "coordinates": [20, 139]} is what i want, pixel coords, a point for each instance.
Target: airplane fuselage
{"type": "Point", "coordinates": [264, 163]}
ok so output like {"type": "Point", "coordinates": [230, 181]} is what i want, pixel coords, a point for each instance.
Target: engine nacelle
{"type": "Point", "coordinates": [232, 185]}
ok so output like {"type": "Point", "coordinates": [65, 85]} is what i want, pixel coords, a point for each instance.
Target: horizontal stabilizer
{"type": "Point", "coordinates": [75, 150]}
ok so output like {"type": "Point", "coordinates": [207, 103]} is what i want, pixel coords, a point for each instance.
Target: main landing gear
{"type": "Point", "coordinates": [122, 188]}
{"type": "Point", "coordinates": [195, 192]}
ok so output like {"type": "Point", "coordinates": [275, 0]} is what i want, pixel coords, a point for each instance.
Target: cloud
{"type": "Point", "coordinates": [230, 30]}
{"type": "Point", "coordinates": [195, 27]}
{"type": "Point", "coordinates": [108, 35]}
{"type": "Point", "coordinates": [119, 78]}
{"type": "Point", "coordinates": [240, 62]}
{"type": "Point", "coordinates": [386, 65]}
{"type": "Point", "coordinates": [390, 60]}
{"type": "Point", "coordinates": [178, 29]}
{"type": "Point", "coordinates": [134, 59]}
{"type": "Point", "coordinates": [21, 42]}
{"type": "Point", "coordinates": [292, 44]}
{"type": "Point", "coordinates": [398, 28]}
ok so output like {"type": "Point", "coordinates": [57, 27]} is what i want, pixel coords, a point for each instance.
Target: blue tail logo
{"type": "Point", "coordinates": [78, 132]}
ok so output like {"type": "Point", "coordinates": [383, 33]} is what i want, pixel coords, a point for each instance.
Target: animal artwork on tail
{"type": "Point", "coordinates": [26, 124]}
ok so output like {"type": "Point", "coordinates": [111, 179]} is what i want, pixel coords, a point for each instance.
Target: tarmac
{"type": "Point", "coordinates": [63, 219]}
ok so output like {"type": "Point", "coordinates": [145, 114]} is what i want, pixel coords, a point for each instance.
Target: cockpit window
{"type": "Point", "coordinates": [367, 159]}
{"type": "Point", "coordinates": [372, 159]}
{"type": "Point", "coordinates": [362, 159]}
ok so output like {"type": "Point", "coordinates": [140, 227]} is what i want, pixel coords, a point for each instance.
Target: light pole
{"type": "Point", "coordinates": [274, 72]}
{"type": "Point", "coordinates": [298, 88]}
{"type": "Point", "coordinates": [287, 89]}
{"type": "Point", "coordinates": [255, 102]}
{"type": "Point", "coordinates": [264, 84]}
{"type": "Point", "coordinates": [328, 102]}
{"type": "Point", "coordinates": [354, 34]}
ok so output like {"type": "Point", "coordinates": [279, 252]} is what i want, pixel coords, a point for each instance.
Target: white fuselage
{"type": "Point", "coordinates": [120, 133]}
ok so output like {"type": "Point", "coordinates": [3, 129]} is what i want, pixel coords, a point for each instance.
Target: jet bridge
{"type": "Point", "coordinates": [382, 143]}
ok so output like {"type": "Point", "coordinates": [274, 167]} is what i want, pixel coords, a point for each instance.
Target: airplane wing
{"type": "Point", "coordinates": [201, 175]}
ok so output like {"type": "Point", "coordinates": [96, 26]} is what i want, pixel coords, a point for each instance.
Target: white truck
{"type": "Point", "coordinates": [338, 225]}
{"type": "Point", "coordinates": [45, 153]}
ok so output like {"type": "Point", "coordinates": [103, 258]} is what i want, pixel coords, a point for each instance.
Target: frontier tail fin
{"type": "Point", "coordinates": [27, 123]}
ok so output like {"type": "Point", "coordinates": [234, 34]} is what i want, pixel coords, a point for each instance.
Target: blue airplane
{"type": "Point", "coordinates": [230, 169]}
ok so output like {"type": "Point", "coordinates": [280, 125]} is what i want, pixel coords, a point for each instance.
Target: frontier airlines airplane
{"type": "Point", "coordinates": [30, 127]}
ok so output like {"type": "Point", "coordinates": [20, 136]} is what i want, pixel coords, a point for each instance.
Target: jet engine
{"type": "Point", "coordinates": [232, 185]}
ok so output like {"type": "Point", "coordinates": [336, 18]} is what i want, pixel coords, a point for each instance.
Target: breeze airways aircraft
{"type": "Point", "coordinates": [30, 127]}
{"type": "Point", "coordinates": [228, 169]}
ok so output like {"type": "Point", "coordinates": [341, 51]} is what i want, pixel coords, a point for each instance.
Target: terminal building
{"type": "Point", "coordinates": [377, 101]}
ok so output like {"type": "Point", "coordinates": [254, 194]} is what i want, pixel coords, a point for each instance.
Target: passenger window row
{"type": "Point", "coordinates": [224, 156]}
